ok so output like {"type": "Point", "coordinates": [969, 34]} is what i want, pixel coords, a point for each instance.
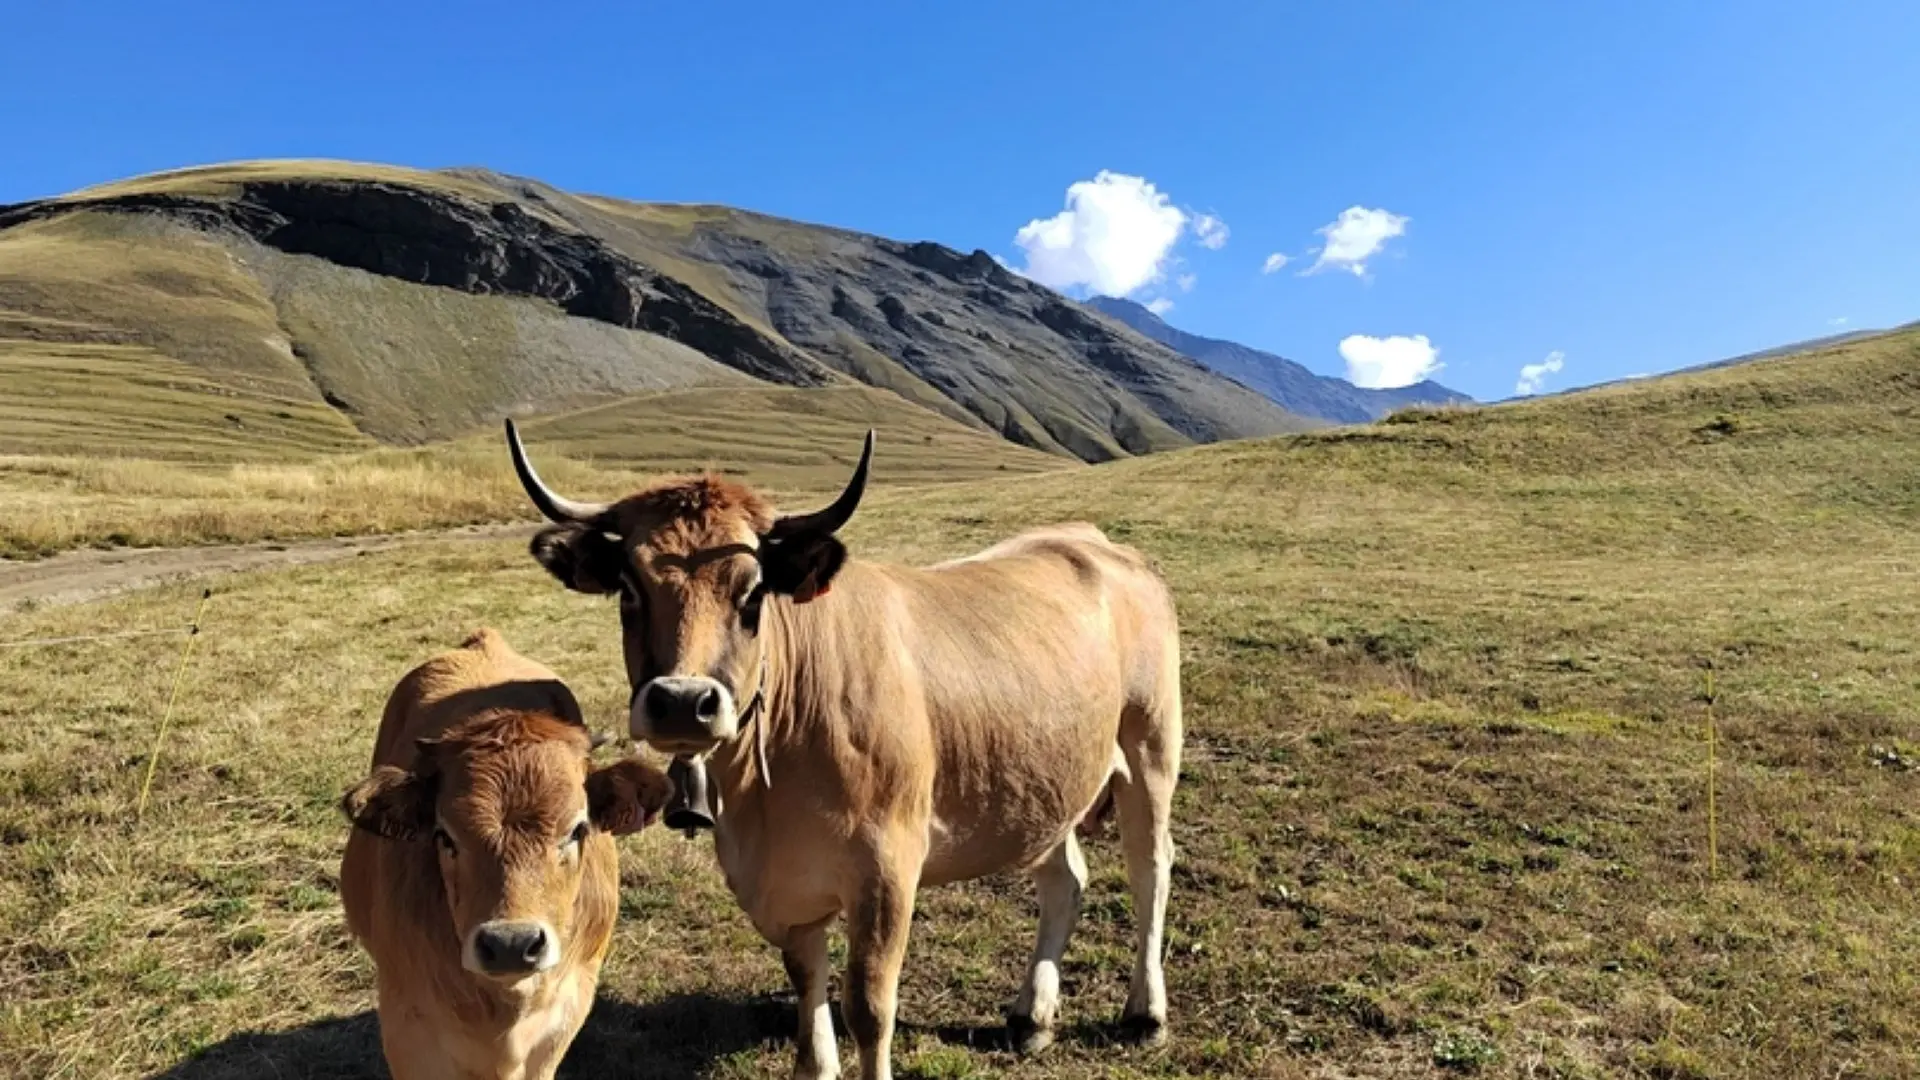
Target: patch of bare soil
{"type": "Point", "coordinates": [79, 576]}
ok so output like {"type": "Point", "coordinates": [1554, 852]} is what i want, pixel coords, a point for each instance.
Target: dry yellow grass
{"type": "Point", "coordinates": [792, 441]}
{"type": "Point", "coordinates": [1443, 809]}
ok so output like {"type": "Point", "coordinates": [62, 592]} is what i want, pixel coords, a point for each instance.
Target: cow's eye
{"type": "Point", "coordinates": [578, 836]}
{"type": "Point", "coordinates": [750, 608]}
{"type": "Point", "coordinates": [443, 841]}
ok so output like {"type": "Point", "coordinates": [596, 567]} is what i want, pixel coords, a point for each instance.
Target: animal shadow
{"type": "Point", "coordinates": [997, 1039]}
{"type": "Point", "coordinates": [677, 1038]}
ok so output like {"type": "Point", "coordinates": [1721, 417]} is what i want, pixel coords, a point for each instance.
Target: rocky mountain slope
{"type": "Point", "coordinates": [1288, 383]}
{"type": "Point", "coordinates": [420, 305]}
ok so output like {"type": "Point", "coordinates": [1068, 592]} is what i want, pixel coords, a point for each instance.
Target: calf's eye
{"type": "Point", "coordinates": [578, 836]}
{"type": "Point", "coordinates": [443, 841]}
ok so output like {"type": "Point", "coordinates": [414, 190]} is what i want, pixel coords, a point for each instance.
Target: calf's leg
{"type": "Point", "coordinates": [805, 955]}
{"type": "Point", "coordinates": [1062, 879]}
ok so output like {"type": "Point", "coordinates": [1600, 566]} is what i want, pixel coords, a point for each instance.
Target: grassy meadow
{"type": "Point", "coordinates": [1445, 803]}
{"type": "Point", "coordinates": [793, 442]}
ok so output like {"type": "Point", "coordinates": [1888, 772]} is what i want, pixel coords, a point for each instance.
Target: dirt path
{"type": "Point", "coordinates": [78, 576]}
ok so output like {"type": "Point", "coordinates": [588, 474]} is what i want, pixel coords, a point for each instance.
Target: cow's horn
{"type": "Point", "coordinates": [833, 517]}
{"type": "Point", "coordinates": [558, 509]}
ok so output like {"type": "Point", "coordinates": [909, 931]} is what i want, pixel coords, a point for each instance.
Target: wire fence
{"type": "Point", "coordinates": [77, 639]}
{"type": "Point", "coordinates": [191, 632]}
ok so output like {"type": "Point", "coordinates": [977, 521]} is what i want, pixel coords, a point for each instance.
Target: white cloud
{"type": "Point", "coordinates": [1187, 281]}
{"type": "Point", "coordinates": [1384, 363]}
{"type": "Point", "coordinates": [1838, 320]}
{"type": "Point", "coordinates": [1273, 264]}
{"type": "Point", "coordinates": [1114, 236]}
{"type": "Point", "coordinates": [1211, 231]}
{"type": "Point", "coordinates": [1638, 375]}
{"type": "Point", "coordinates": [1355, 236]}
{"type": "Point", "coordinates": [1160, 305]}
{"type": "Point", "coordinates": [1534, 376]}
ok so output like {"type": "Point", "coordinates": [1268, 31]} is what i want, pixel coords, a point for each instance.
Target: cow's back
{"type": "Point", "coordinates": [1028, 655]}
{"type": "Point", "coordinates": [483, 675]}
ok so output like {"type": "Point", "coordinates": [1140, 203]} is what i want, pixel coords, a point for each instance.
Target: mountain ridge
{"type": "Point", "coordinates": [1288, 383]}
{"type": "Point", "coordinates": [394, 288]}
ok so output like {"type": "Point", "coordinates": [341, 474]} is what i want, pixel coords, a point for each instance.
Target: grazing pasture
{"type": "Point", "coordinates": [1445, 807]}
{"type": "Point", "coordinates": [242, 489]}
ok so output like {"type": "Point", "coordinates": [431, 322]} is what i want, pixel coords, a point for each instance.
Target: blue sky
{"type": "Point", "coordinates": [1633, 186]}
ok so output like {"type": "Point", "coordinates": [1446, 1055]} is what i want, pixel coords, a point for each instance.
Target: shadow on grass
{"type": "Point", "coordinates": [995, 1038]}
{"type": "Point", "coordinates": [678, 1038]}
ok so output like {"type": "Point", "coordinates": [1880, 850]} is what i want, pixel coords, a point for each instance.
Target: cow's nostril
{"type": "Point", "coordinates": [484, 951]}
{"type": "Point", "coordinates": [708, 707]}
{"type": "Point", "coordinates": [536, 946]}
{"type": "Point", "coordinates": [656, 702]}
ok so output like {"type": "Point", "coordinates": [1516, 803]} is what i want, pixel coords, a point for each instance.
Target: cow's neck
{"type": "Point", "coordinates": [739, 766]}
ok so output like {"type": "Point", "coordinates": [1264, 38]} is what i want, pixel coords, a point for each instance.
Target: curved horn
{"type": "Point", "coordinates": [829, 520]}
{"type": "Point", "coordinates": [560, 510]}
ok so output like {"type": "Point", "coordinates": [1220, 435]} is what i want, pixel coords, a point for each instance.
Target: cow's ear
{"type": "Point", "coordinates": [391, 802]}
{"type": "Point", "coordinates": [626, 796]}
{"type": "Point", "coordinates": [801, 566]}
{"type": "Point", "coordinates": [585, 560]}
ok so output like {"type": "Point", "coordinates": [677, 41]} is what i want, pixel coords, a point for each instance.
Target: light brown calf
{"type": "Point", "coordinates": [481, 873]}
{"type": "Point", "coordinates": [914, 727]}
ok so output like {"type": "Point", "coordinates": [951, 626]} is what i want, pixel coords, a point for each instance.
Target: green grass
{"type": "Point", "coordinates": [1442, 813]}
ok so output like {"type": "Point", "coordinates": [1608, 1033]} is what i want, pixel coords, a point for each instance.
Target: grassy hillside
{"type": "Point", "coordinates": [218, 317]}
{"type": "Point", "coordinates": [1444, 808]}
{"type": "Point", "coordinates": [798, 442]}
{"type": "Point", "coordinates": [422, 304]}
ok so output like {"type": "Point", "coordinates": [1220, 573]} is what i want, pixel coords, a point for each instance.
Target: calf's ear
{"type": "Point", "coordinates": [626, 796]}
{"type": "Point", "coordinates": [584, 559]}
{"type": "Point", "coordinates": [391, 802]}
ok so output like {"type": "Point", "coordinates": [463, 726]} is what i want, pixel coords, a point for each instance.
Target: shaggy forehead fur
{"type": "Point", "coordinates": [691, 513]}
{"type": "Point", "coordinates": [511, 773]}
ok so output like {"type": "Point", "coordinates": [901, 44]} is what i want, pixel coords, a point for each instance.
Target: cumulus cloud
{"type": "Point", "coordinates": [1211, 231]}
{"type": "Point", "coordinates": [1160, 305]}
{"type": "Point", "coordinates": [1534, 376]}
{"type": "Point", "coordinates": [1114, 236]}
{"type": "Point", "coordinates": [1385, 363]}
{"type": "Point", "coordinates": [1355, 236]}
{"type": "Point", "coordinates": [1187, 282]}
{"type": "Point", "coordinates": [1273, 264]}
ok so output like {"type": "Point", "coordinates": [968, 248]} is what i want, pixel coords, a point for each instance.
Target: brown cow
{"type": "Point", "coordinates": [481, 875]}
{"type": "Point", "coordinates": [918, 726]}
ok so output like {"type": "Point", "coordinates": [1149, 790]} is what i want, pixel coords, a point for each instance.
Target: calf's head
{"type": "Point", "coordinates": [693, 562]}
{"type": "Point", "coordinates": [513, 807]}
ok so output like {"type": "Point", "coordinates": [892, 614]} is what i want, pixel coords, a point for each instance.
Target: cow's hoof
{"type": "Point", "coordinates": [1027, 1037]}
{"type": "Point", "coordinates": [1144, 1030]}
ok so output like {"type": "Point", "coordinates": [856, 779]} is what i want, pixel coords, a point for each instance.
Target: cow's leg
{"type": "Point", "coordinates": [1062, 878]}
{"type": "Point", "coordinates": [805, 954]}
{"type": "Point", "coordinates": [878, 921]}
{"type": "Point", "coordinates": [1151, 742]}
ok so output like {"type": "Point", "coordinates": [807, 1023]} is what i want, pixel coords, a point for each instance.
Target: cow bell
{"type": "Point", "coordinates": [688, 811]}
